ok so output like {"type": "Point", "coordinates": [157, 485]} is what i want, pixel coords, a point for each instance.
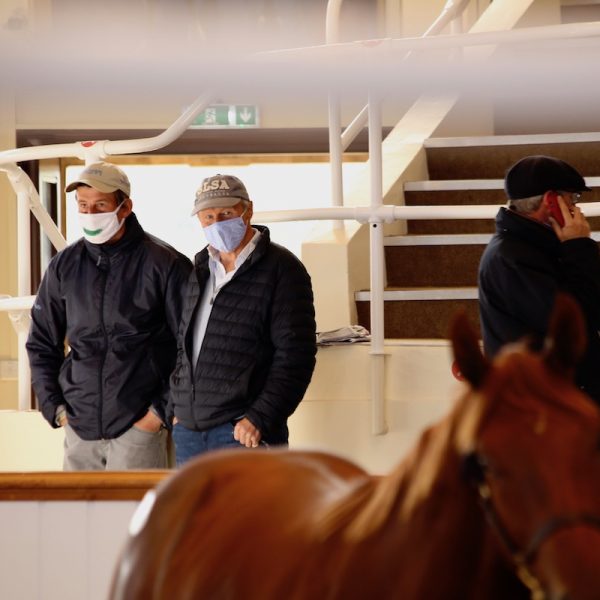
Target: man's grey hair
{"type": "Point", "coordinates": [526, 205]}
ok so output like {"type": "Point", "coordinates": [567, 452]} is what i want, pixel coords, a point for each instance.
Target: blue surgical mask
{"type": "Point", "coordinates": [226, 236]}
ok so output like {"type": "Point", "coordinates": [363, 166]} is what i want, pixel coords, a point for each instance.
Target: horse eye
{"type": "Point", "coordinates": [473, 467]}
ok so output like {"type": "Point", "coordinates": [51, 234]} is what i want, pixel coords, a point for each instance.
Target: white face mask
{"type": "Point", "coordinates": [100, 227]}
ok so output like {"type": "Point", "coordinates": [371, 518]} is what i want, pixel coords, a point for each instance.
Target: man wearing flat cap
{"type": "Point", "coordinates": [115, 296]}
{"type": "Point", "coordinates": [247, 340]}
{"type": "Point", "coordinates": [542, 246]}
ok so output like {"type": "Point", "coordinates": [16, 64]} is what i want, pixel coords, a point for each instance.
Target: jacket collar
{"type": "Point", "coordinates": [532, 232]}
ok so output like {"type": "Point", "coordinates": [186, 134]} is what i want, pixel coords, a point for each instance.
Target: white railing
{"type": "Point", "coordinates": [338, 142]}
{"type": "Point", "coordinates": [376, 214]}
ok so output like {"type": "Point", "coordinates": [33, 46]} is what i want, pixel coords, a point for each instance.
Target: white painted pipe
{"type": "Point", "coordinates": [332, 23]}
{"type": "Point", "coordinates": [15, 304]}
{"type": "Point", "coordinates": [166, 137]}
{"type": "Point", "coordinates": [335, 154]}
{"type": "Point", "coordinates": [355, 127]}
{"type": "Point", "coordinates": [21, 319]}
{"type": "Point", "coordinates": [452, 10]}
{"type": "Point", "coordinates": [390, 212]}
{"type": "Point", "coordinates": [104, 148]}
{"type": "Point", "coordinates": [387, 47]}
{"type": "Point", "coordinates": [29, 199]}
{"type": "Point", "coordinates": [378, 422]}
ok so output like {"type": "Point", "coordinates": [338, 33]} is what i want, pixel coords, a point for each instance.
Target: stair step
{"type": "Point", "coordinates": [419, 318]}
{"type": "Point", "coordinates": [439, 265]}
{"type": "Point", "coordinates": [437, 240]}
{"type": "Point", "coordinates": [490, 156]}
{"type": "Point", "coordinates": [432, 270]}
{"type": "Point", "coordinates": [425, 293]}
{"type": "Point", "coordinates": [493, 141]}
{"type": "Point", "coordinates": [449, 239]}
{"type": "Point", "coordinates": [437, 185]}
{"type": "Point", "coordinates": [440, 185]}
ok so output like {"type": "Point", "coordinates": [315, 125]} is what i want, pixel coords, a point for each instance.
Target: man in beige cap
{"type": "Point", "coordinates": [247, 340]}
{"type": "Point", "coordinates": [115, 297]}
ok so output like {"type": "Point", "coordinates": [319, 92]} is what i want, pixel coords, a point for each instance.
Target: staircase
{"type": "Point", "coordinates": [432, 270]}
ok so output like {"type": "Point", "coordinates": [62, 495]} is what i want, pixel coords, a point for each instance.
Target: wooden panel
{"type": "Point", "coordinates": [105, 485]}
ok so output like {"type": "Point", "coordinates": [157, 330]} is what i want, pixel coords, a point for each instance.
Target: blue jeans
{"type": "Point", "coordinates": [190, 443]}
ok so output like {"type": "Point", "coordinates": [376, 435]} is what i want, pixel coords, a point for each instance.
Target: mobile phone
{"type": "Point", "coordinates": [554, 208]}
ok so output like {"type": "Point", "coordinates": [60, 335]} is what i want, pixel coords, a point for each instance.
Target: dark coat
{"type": "Point", "coordinates": [258, 353]}
{"type": "Point", "coordinates": [521, 270]}
{"type": "Point", "coordinates": [118, 306]}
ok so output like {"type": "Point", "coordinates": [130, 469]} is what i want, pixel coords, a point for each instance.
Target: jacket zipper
{"type": "Point", "coordinates": [101, 370]}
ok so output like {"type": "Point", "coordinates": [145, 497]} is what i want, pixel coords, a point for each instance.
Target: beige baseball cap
{"type": "Point", "coordinates": [104, 177]}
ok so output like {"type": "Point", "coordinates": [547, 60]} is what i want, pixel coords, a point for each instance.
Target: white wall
{"type": "Point", "coordinates": [60, 550]}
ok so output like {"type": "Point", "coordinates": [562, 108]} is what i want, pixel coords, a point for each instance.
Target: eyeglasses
{"type": "Point", "coordinates": [574, 197]}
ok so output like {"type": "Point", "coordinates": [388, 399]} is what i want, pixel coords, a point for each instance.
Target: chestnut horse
{"type": "Point", "coordinates": [500, 496]}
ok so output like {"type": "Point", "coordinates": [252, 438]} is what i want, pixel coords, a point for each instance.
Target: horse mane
{"type": "Point", "coordinates": [373, 502]}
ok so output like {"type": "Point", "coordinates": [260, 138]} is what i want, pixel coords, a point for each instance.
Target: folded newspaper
{"type": "Point", "coordinates": [344, 335]}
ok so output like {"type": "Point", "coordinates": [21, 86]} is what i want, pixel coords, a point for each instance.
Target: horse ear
{"type": "Point", "coordinates": [566, 340]}
{"type": "Point", "coordinates": [472, 364]}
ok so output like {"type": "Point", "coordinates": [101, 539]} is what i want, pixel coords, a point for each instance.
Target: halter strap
{"type": "Point", "coordinates": [523, 559]}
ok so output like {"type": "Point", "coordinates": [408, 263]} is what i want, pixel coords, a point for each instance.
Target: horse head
{"type": "Point", "coordinates": [533, 454]}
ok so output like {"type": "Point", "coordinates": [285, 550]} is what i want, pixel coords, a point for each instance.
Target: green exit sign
{"type": "Point", "coordinates": [227, 115]}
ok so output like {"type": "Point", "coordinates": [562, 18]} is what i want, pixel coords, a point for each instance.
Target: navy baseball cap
{"type": "Point", "coordinates": [536, 175]}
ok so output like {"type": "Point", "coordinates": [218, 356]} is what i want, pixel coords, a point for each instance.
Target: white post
{"type": "Point", "coordinates": [335, 154]}
{"type": "Point", "coordinates": [20, 319]}
{"type": "Point", "coordinates": [377, 271]}
{"type": "Point", "coordinates": [332, 21]}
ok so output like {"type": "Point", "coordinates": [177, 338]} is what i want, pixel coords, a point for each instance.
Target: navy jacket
{"type": "Point", "coordinates": [521, 270]}
{"type": "Point", "coordinates": [118, 306]}
{"type": "Point", "coordinates": [258, 353]}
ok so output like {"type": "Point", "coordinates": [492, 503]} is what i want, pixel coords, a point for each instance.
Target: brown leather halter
{"type": "Point", "coordinates": [475, 470]}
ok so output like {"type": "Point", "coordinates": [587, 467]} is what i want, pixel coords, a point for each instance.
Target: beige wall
{"type": "Point", "coordinates": [335, 415]}
{"type": "Point", "coordinates": [8, 256]}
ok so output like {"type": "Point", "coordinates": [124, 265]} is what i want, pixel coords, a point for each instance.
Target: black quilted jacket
{"type": "Point", "coordinates": [258, 353]}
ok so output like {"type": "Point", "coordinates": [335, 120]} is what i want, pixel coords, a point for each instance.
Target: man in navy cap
{"type": "Point", "coordinates": [542, 245]}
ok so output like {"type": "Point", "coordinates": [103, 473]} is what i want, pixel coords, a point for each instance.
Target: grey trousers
{"type": "Point", "coordinates": [134, 449]}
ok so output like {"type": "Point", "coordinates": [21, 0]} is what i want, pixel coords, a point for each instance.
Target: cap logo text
{"type": "Point", "coordinates": [215, 184]}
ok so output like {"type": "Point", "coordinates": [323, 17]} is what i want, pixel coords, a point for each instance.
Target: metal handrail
{"type": "Point", "coordinates": [94, 150]}
{"type": "Point", "coordinates": [338, 142]}
{"type": "Point", "coordinates": [374, 214]}
{"type": "Point", "coordinates": [387, 47]}
{"type": "Point", "coordinates": [29, 200]}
